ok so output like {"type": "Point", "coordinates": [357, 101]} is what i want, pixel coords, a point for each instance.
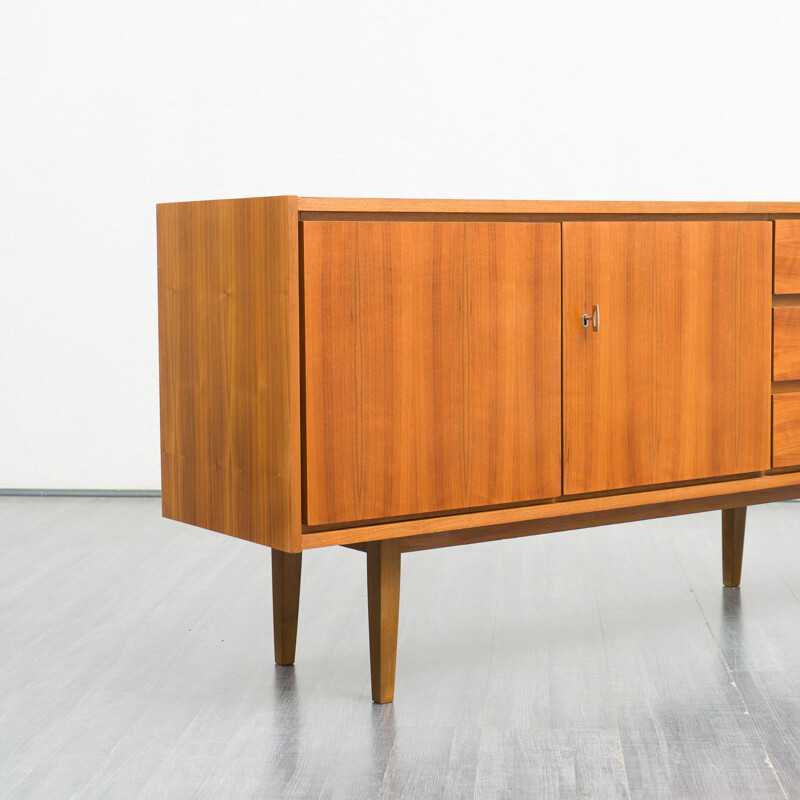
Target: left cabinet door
{"type": "Point", "coordinates": [432, 366]}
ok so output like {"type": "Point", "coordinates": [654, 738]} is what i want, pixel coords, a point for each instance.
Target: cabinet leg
{"type": "Point", "coordinates": [383, 598]}
{"type": "Point", "coordinates": [285, 603]}
{"type": "Point", "coordinates": [733, 520]}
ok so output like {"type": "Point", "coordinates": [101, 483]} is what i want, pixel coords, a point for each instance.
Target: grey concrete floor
{"type": "Point", "coordinates": [136, 661]}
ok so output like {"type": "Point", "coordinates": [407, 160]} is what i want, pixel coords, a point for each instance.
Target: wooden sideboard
{"type": "Point", "coordinates": [399, 375]}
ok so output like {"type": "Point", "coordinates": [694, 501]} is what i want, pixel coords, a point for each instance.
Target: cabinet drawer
{"type": "Point", "coordinates": [787, 256]}
{"type": "Point", "coordinates": [786, 344]}
{"type": "Point", "coordinates": [786, 430]}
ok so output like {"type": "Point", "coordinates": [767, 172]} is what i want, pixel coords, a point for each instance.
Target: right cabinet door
{"type": "Point", "coordinates": [671, 379]}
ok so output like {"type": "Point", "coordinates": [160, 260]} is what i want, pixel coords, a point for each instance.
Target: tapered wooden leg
{"type": "Point", "coordinates": [383, 598]}
{"type": "Point", "coordinates": [285, 603]}
{"type": "Point", "coordinates": [733, 520]}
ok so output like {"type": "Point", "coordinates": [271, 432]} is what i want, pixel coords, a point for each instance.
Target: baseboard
{"type": "Point", "coordinates": [108, 493]}
{"type": "Point", "coordinates": [80, 493]}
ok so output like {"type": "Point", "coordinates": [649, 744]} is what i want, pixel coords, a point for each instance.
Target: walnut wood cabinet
{"type": "Point", "coordinates": [400, 375]}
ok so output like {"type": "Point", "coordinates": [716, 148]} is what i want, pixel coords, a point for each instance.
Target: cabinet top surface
{"type": "Point", "coordinates": [356, 204]}
{"type": "Point", "coordinates": [432, 206]}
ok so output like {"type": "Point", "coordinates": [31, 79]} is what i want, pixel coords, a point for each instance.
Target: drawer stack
{"type": "Point", "coordinates": [786, 346]}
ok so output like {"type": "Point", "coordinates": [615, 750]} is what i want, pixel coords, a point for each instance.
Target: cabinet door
{"type": "Point", "coordinates": [675, 384]}
{"type": "Point", "coordinates": [432, 366]}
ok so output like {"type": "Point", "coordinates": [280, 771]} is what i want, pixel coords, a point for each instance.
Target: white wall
{"type": "Point", "coordinates": [108, 108]}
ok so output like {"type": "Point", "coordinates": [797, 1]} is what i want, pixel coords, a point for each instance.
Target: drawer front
{"type": "Point", "coordinates": [787, 256]}
{"type": "Point", "coordinates": [786, 344]}
{"type": "Point", "coordinates": [786, 430]}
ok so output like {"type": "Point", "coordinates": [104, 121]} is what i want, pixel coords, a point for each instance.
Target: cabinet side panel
{"type": "Point", "coordinates": [229, 367]}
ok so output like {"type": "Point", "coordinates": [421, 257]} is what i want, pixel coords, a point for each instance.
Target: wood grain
{"type": "Point", "coordinates": [787, 256]}
{"type": "Point", "coordinates": [675, 386]}
{"type": "Point", "coordinates": [582, 513]}
{"type": "Point", "coordinates": [383, 598]}
{"type": "Point", "coordinates": [772, 698]}
{"type": "Point", "coordinates": [432, 366]}
{"type": "Point", "coordinates": [411, 205]}
{"type": "Point", "coordinates": [786, 430]}
{"type": "Point", "coordinates": [286, 572]}
{"type": "Point", "coordinates": [733, 525]}
{"type": "Point", "coordinates": [229, 367]}
{"type": "Point", "coordinates": [786, 344]}
{"type": "Point", "coordinates": [670, 690]}
{"type": "Point", "coordinates": [521, 657]}
{"type": "Point", "coordinates": [457, 538]}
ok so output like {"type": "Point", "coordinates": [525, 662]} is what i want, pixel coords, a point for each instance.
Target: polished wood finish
{"type": "Point", "coordinates": [456, 538]}
{"type": "Point", "coordinates": [607, 509]}
{"type": "Point", "coordinates": [675, 384]}
{"type": "Point", "coordinates": [785, 430]}
{"type": "Point", "coordinates": [425, 407]}
{"type": "Point", "coordinates": [383, 599]}
{"type": "Point", "coordinates": [229, 367]}
{"type": "Point", "coordinates": [787, 256]}
{"type": "Point", "coordinates": [786, 344]}
{"type": "Point", "coordinates": [733, 524]}
{"type": "Point", "coordinates": [286, 569]}
{"type": "Point", "coordinates": [475, 216]}
{"type": "Point", "coordinates": [414, 205]}
{"type": "Point", "coordinates": [432, 367]}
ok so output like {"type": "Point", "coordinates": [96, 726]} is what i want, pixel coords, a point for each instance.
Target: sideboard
{"type": "Point", "coordinates": [399, 375]}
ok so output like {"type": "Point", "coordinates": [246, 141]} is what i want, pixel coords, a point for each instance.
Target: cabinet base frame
{"type": "Point", "coordinates": [733, 522]}
{"type": "Point", "coordinates": [383, 600]}
{"type": "Point", "coordinates": [566, 514]}
{"type": "Point", "coordinates": [383, 577]}
{"type": "Point", "coordinates": [286, 568]}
